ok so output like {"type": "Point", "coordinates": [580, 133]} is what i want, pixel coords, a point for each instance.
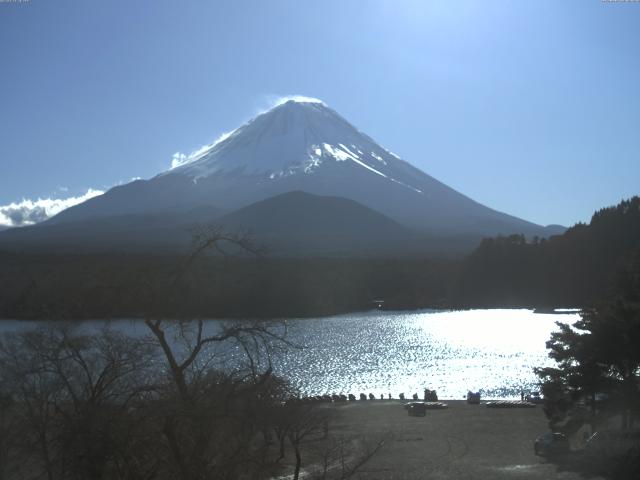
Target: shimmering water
{"type": "Point", "coordinates": [493, 351]}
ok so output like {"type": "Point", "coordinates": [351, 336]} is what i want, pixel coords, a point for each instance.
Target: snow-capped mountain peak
{"type": "Point", "coordinates": [296, 137]}
{"type": "Point", "coordinates": [303, 145]}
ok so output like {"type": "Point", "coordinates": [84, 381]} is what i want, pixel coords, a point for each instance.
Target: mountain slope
{"type": "Point", "coordinates": [302, 223]}
{"type": "Point", "coordinates": [158, 232]}
{"type": "Point", "coordinates": [305, 146]}
{"type": "Point", "coordinates": [295, 147]}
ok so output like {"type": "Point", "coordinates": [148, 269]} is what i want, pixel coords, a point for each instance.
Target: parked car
{"type": "Point", "coordinates": [550, 444]}
{"type": "Point", "coordinates": [533, 397]}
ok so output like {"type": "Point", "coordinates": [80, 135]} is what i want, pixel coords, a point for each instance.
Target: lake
{"type": "Point", "coordinates": [493, 351]}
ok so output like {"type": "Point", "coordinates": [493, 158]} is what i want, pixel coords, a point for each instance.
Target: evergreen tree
{"type": "Point", "coordinates": [600, 353]}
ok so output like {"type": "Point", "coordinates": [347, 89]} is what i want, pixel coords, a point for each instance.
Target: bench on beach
{"type": "Point", "coordinates": [420, 407]}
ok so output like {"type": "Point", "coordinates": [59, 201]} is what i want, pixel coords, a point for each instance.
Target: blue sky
{"type": "Point", "coordinates": [532, 108]}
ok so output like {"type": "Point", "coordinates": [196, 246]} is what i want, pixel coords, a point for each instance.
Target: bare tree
{"type": "Point", "coordinates": [306, 421]}
{"type": "Point", "coordinates": [71, 392]}
{"type": "Point", "coordinates": [192, 400]}
{"type": "Point", "coordinates": [210, 423]}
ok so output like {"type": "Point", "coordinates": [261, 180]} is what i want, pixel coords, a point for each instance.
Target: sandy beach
{"type": "Point", "coordinates": [460, 442]}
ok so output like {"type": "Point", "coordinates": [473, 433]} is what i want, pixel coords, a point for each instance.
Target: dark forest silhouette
{"type": "Point", "coordinates": [574, 269]}
{"type": "Point", "coordinates": [577, 268]}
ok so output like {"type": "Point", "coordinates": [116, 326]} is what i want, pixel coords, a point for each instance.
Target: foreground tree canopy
{"type": "Point", "coordinates": [596, 382]}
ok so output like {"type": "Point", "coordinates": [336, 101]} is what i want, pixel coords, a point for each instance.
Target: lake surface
{"type": "Point", "coordinates": [493, 351]}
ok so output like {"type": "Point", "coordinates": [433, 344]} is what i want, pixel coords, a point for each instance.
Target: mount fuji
{"type": "Point", "coordinates": [297, 146]}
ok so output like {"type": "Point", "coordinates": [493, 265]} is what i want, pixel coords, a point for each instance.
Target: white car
{"type": "Point", "coordinates": [533, 397]}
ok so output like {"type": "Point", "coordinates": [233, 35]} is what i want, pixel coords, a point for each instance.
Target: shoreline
{"type": "Point", "coordinates": [532, 309]}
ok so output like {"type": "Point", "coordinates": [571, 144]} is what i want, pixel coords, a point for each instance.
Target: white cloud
{"type": "Point", "coordinates": [29, 212]}
{"type": "Point", "coordinates": [273, 101]}
{"type": "Point", "coordinates": [121, 182]}
{"type": "Point", "coordinates": [276, 101]}
{"type": "Point", "coordinates": [180, 158]}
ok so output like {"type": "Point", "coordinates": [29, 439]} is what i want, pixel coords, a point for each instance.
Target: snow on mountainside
{"type": "Point", "coordinates": [297, 137]}
{"type": "Point", "coordinates": [304, 146]}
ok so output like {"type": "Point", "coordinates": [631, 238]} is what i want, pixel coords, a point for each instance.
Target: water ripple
{"type": "Point", "coordinates": [493, 351]}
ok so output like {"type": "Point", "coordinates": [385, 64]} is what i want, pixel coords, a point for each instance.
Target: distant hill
{"type": "Point", "coordinates": [291, 224]}
{"type": "Point", "coordinates": [301, 223]}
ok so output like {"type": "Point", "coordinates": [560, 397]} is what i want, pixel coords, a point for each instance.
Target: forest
{"type": "Point", "coordinates": [575, 269]}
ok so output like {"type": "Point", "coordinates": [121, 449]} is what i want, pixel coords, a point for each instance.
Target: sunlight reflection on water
{"type": "Point", "coordinates": [493, 351]}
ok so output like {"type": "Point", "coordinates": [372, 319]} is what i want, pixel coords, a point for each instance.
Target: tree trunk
{"type": "Point", "coordinates": [169, 433]}
{"type": "Point", "coordinates": [176, 372]}
{"type": "Point", "coordinates": [45, 453]}
{"type": "Point", "coordinates": [281, 438]}
{"type": "Point", "coordinates": [296, 473]}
